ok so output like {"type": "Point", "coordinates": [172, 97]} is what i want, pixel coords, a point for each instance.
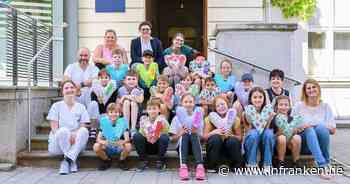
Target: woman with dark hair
{"type": "Point", "coordinates": [146, 42]}
{"type": "Point", "coordinates": [319, 123]}
{"type": "Point", "coordinates": [179, 46]}
{"type": "Point", "coordinates": [103, 53]}
{"type": "Point", "coordinates": [68, 135]}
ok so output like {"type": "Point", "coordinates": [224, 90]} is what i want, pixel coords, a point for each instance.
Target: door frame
{"type": "Point", "coordinates": [205, 23]}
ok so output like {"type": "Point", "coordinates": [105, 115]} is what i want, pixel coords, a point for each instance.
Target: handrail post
{"type": "Point", "coordinates": [14, 48]}
{"type": "Point", "coordinates": [35, 49]}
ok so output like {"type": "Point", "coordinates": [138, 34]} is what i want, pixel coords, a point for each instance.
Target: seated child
{"type": "Point", "coordinates": [176, 68]}
{"type": "Point", "coordinates": [152, 137]}
{"type": "Point", "coordinates": [130, 96]}
{"type": "Point", "coordinates": [186, 86]}
{"type": "Point", "coordinates": [200, 65]}
{"type": "Point", "coordinates": [148, 72]}
{"type": "Point", "coordinates": [276, 82]}
{"type": "Point", "coordinates": [187, 128]}
{"type": "Point", "coordinates": [165, 94]}
{"type": "Point", "coordinates": [113, 138]}
{"type": "Point", "coordinates": [286, 128]}
{"type": "Point", "coordinates": [222, 131]}
{"type": "Point", "coordinates": [258, 136]}
{"type": "Point", "coordinates": [225, 80]}
{"type": "Point", "coordinates": [242, 90]}
{"type": "Point", "coordinates": [103, 92]}
{"type": "Point", "coordinates": [117, 70]}
{"type": "Point", "coordinates": [208, 94]}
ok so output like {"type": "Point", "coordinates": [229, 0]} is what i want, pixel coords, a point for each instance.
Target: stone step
{"type": "Point", "coordinates": [40, 142]}
{"type": "Point", "coordinates": [43, 128]}
{"type": "Point", "coordinates": [343, 123]}
{"type": "Point", "coordinates": [88, 159]}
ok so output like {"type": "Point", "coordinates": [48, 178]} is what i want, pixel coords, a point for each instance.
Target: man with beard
{"type": "Point", "coordinates": [82, 74]}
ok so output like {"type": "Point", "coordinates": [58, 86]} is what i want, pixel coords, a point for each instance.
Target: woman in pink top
{"type": "Point", "coordinates": [103, 53]}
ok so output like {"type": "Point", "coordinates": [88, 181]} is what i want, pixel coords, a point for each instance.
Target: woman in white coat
{"type": "Point", "coordinates": [68, 136]}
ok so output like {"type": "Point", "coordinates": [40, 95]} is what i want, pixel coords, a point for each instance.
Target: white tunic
{"type": "Point", "coordinates": [78, 75]}
{"type": "Point", "coordinates": [66, 117]}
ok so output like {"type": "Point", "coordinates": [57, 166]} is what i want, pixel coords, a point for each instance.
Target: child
{"type": "Point", "coordinates": [276, 82]}
{"type": "Point", "coordinates": [176, 68]}
{"type": "Point", "coordinates": [113, 138]}
{"type": "Point", "coordinates": [222, 131]}
{"type": "Point", "coordinates": [117, 69]}
{"type": "Point", "coordinates": [257, 117]}
{"type": "Point", "coordinates": [104, 91]}
{"type": "Point", "coordinates": [186, 128]}
{"type": "Point", "coordinates": [225, 80]}
{"type": "Point", "coordinates": [242, 90]}
{"type": "Point", "coordinates": [130, 96]}
{"type": "Point", "coordinates": [200, 65]}
{"type": "Point", "coordinates": [286, 128]}
{"type": "Point", "coordinates": [152, 137]}
{"type": "Point", "coordinates": [208, 94]}
{"type": "Point", "coordinates": [186, 86]}
{"type": "Point", "coordinates": [165, 94]}
{"type": "Point", "coordinates": [148, 72]}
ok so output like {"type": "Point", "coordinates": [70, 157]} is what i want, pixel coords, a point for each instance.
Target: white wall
{"type": "Point", "coordinates": [92, 25]}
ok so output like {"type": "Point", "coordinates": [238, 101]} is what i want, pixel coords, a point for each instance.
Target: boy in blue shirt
{"type": "Point", "coordinates": [113, 138]}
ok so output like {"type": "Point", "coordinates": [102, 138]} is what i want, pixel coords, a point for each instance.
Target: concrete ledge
{"type": "Point", "coordinates": [255, 27]}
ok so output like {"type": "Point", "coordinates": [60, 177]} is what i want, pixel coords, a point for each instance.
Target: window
{"type": "Point", "coordinates": [317, 54]}
{"type": "Point", "coordinates": [341, 53]}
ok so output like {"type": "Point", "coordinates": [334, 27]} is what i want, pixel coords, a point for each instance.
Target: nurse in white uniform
{"type": "Point", "coordinates": [68, 136]}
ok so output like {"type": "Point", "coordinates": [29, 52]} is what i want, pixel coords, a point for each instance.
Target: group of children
{"type": "Point", "coordinates": [151, 108]}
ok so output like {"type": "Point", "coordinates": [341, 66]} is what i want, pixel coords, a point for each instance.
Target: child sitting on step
{"type": "Point", "coordinates": [176, 68]}
{"type": "Point", "coordinates": [286, 128]}
{"type": "Point", "coordinates": [276, 82]}
{"type": "Point", "coordinates": [152, 137]}
{"type": "Point", "coordinates": [165, 94]}
{"type": "Point", "coordinates": [117, 70]}
{"type": "Point", "coordinates": [200, 66]}
{"type": "Point", "coordinates": [103, 92]}
{"type": "Point", "coordinates": [186, 128]}
{"type": "Point", "coordinates": [208, 94]}
{"type": "Point", "coordinates": [147, 72]}
{"type": "Point", "coordinates": [113, 138]}
{"type": "Point", "coordinates": [225, 80]}
{"type": "Point", "coordinates": [186, 85]}
{"type": "Point", "coordinates": [130, 96]}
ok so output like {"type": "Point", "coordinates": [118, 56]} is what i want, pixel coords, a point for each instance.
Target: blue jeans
{"type": "Point", "coordinates": [266, 142]}
{"type": "Point", "coordinates": [113, 150]}
{"type": "Point", "coordinates": [316, 140]}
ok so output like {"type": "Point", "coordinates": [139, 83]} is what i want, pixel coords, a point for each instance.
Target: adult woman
{"type": "Point", "coordinates": [68, 135]}
{"type": "Point", "coordinates": [319, 123]}
{"type": "Point", "coordinates": [103, 53]}
{"type": "Point", "coordinates": [146, 42]}
{"type": "Point", "coordinates": [178, 44]}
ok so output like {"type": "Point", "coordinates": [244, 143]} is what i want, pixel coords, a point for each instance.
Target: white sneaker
{"type": "Point", "coordinates": [64, 167]}
{"type": "Point", "coordinates": [74, 167]}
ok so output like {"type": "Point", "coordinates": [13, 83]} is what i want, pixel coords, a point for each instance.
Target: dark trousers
{"type": "Point", "coordinates": [190, 142]}
{"type": "Point", "coordinates": [219, 150]}
{"type": "Point", "coordinates": [144, 148]}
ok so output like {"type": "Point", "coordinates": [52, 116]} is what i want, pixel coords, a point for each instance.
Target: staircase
{"type": "Point", "coordinates": [39, 156]}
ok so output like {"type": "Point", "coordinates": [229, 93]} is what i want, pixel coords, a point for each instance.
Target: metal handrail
{"type": "Point", "coordinates": [296, 82]}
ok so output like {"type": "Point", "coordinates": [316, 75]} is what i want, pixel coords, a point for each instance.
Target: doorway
{"type": "Point", "coordinates": [185, 16]}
